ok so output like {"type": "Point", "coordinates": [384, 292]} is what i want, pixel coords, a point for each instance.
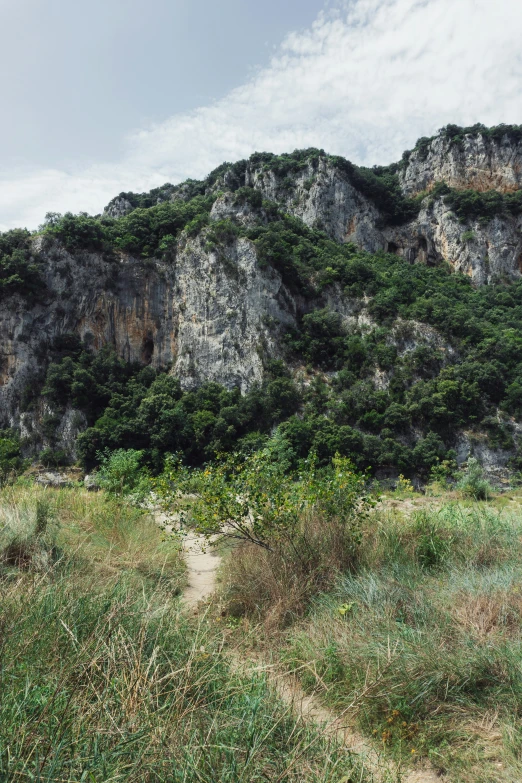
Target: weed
{"type": "Point", "coordinates": [473, 484]}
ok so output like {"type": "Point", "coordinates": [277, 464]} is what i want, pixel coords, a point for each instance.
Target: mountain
{"type": "Point", "coordinates": [376, 312]}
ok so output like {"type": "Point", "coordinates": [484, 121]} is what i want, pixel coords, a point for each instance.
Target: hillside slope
{"type": "Point", "coordinates": [381, 306]}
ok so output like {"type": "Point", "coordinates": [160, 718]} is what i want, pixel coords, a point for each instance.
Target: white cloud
{"type": "Point", "coordinates": [365, 82]}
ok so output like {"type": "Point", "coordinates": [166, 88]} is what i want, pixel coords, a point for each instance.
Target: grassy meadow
{"type": "Point", "coordinates": [103, 675]}
{"type": "Point", "coordinates": [419, 644]}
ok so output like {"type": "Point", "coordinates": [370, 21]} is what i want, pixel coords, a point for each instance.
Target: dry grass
{"type": "Point", "coordinates": [421, 643]}
{"type": "Point", "coordinates": [107, 535]}
{"type": "Point", "coordinates": [276, 585]}
{"type": "Point", "coordinates": [486, 614]}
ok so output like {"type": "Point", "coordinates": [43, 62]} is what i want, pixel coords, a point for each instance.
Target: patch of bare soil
{"type": "Point", "coordinates": [202, 565]}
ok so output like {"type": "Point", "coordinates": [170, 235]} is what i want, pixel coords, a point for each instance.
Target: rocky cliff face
{"type": "Point", "coordinates": [323, 197]}
{"type": "Point", "coordinates": [208, 315]}
{"type": "Point", "coordinates": [491, 250]}
{"type": "Point", "coordinates": [477, 161]}
{"type": "Point", "coordinates": [215, 314]}
{"type": "Point", "coordinates": [485, 253]}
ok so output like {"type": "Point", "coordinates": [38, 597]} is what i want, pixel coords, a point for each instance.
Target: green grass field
{"type": "Point", "coordinates": [103, 675]}
{"type": "Point", "coordinates": [422, 644]}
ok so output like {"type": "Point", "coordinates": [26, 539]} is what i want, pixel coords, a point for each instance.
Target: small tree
{"type": "Point", "coordinates": [121, 472]}
{"type": "Point", "coordinates": [256, 499]}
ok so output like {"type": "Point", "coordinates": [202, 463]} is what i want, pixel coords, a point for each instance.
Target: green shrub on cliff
{"type": "Point", "coordinates": [19, 270]}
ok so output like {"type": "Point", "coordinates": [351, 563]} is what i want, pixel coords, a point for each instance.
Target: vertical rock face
{"type": "Point", "coordinates": [323, 198]}
{"type": "Point", "coordinates": [208, 315]}
{"type": "Point", "coordinates": [477, 162]}
{"type": "Point", "coordinates": [226, 308]}
{"type": "Point", "coordinates": [122, 303]}
{"type": "Point", "coordinates": [485, 253]}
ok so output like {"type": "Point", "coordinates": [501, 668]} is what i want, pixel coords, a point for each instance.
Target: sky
{"type": "Point", "coordinates": [113, 95]}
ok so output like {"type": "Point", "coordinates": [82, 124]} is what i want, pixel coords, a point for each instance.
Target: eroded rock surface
{"type": "Point", "coordinates": [478, 162]}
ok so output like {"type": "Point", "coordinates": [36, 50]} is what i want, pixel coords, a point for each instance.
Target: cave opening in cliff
{"type": "Point", "coordinates": [147, 349]}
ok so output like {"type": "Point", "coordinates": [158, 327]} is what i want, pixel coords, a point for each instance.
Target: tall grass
{"type": "Point", "coordinates": [276, 586]}
{"type": "Point", "coordinates": [103, 677]}
{"type": "Point", "coordinates": [423, 645]}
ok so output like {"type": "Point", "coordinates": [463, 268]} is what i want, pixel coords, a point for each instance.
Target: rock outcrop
{"type": "Point", "coordinates": [323, 197]}
{"type": "Point", "coordinates": [478, 161]}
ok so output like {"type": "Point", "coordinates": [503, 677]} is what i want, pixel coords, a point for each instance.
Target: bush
{"type": "Point", "coordinates": [121, 472]}
{"type": "Point", "coordinates": [11, 462]}
{"type": "Point", "coordinates": [19, 268]}
{"type": "Point", "coordinates": [53, 458]}
{"type": "Point", "coordinates": [145, 231]}
{"type": "Point", "coordinates": [296, 532]}
{"type": "Point", "coordinates": [473, 484]}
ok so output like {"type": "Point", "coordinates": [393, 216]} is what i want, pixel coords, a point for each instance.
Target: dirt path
{"type": "Point", "coordinates": [201, 559]}
{"type": "Point", "coordinates": [202, 565]}
{"type": "Point", "coordinates": [309, 708]}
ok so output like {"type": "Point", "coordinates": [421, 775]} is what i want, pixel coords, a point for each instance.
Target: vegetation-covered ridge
{"type": "Point", "coordinates": [429, 356]}
{"type": "Point", "coordinates": [154, 220]}
{"type": "Point", "coordinates": [438, 357]}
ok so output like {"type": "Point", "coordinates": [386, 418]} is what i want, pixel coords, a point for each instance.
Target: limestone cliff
{"type": "Point", "coordinates": [205, 314]}
{"type": "Point", "coordinates": [214, 312]}
{"type": "Point", "coordinates": [322, 195]}
{"type": "Point", "coordinates": [476, 161]}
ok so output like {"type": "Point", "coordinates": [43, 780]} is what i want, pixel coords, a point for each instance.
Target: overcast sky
{"type": "Point", "coordinates": [115, 95]}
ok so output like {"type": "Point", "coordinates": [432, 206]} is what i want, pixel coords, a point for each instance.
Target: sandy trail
{"type": "Point", "coordinates": [202, 565]}
{"type": "Point", "coordinates": [201, 559]}
{"type": "Point", "coordinates": [308, 707]}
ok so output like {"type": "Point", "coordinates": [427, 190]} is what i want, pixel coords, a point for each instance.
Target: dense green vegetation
{"type": "Point", "coordinates": [128, 406]}
{"type": "Point", "coordinates": [471, 204]}
{"type": "Point", "coordinates": [19, 272]}
{"type": "Point", "coordinates": [436, 382]}
{"type": "Point", "coordinates": [11, 461]}
{"type": "Point", "coordinates": [145, 232]}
